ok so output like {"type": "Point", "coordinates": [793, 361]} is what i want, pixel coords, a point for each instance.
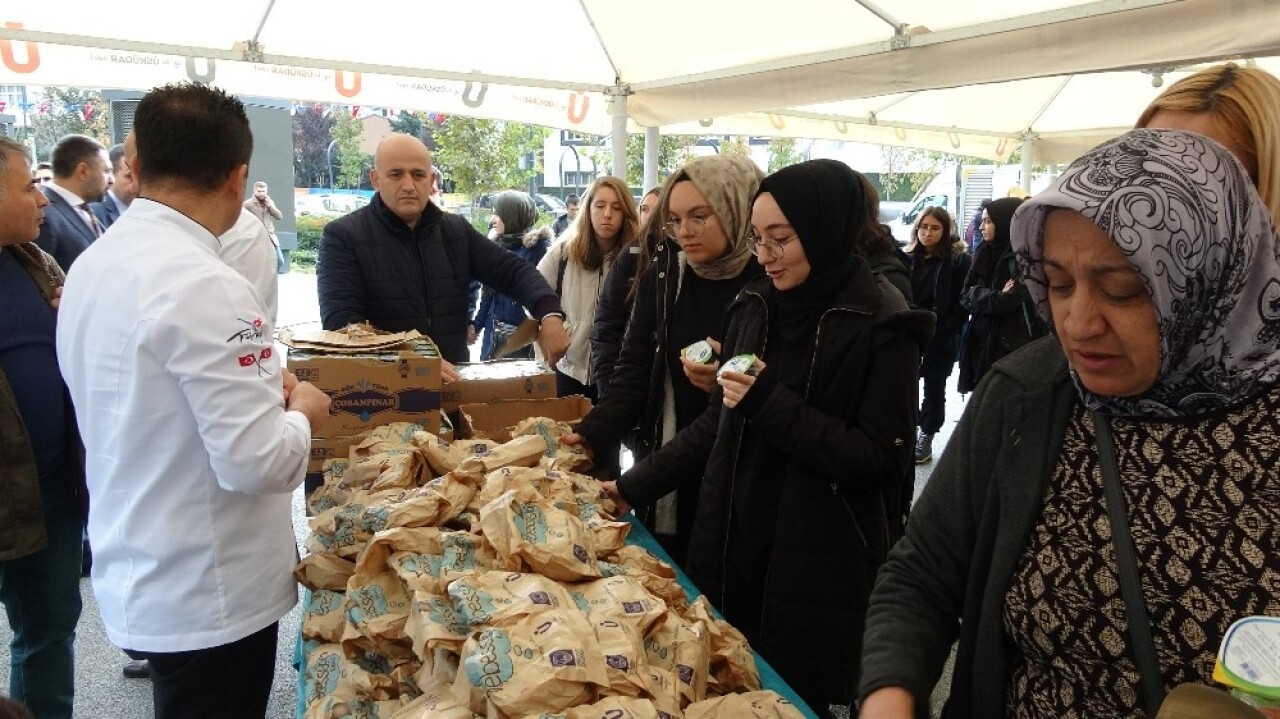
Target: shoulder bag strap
{"type": "Point", "coordinates": [1144, 648]}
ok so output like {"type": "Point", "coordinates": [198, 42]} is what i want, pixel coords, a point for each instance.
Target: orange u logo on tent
{"type": "Point", "coordinates": [10, 61]}
{"type": "Point", "coordinates": [341, 86]}
{"type": "Point", "coordinates": [578, 114]}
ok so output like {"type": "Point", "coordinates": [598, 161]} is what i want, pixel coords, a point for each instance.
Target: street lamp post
{"type": "Point", "coordinates": [328, 156]}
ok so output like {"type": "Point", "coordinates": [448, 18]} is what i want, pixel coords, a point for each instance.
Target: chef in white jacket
{"type": "Point", "coordinates": [194, 436]}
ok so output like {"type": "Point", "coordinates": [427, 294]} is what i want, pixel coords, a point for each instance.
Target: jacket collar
{"type": "Point", "coordinates": [430, 214]}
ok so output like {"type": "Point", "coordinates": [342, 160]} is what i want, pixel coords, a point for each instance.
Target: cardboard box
{"type": "Point", "coordinates": [326, 448]}
{"type": "Point", "coordinates": [496, 419]}
{"type": "Point", "coordinates": [500, 380]}
{"type": "Point", "coordinates": [374, 388]}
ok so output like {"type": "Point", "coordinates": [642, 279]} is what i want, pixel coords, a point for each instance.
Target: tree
{"type": "Point", "coordinates": [782, 152]}
{"type": "Point", "coordinates": [68, 111]}
{"type": "Point", "coordinates": [419, 124]}
{"type": "Point", "coordinates": [671, 155]}
{"type": "Point", "coordinates": [312, 131]}
{"type": "Point", "coordinates": [481, 155]}
{"type": "Point", "coordinates": [908, 169]}
{"type": "Point", "coordinates": [735, 145]}
{"type": "Point", "coordinates": [348, 158]}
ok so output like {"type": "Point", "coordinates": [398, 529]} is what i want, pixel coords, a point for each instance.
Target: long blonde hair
{"type": "Point", "coordinates": [582, 246]}
{"type": "Point", "coordinates": [1245, 102]}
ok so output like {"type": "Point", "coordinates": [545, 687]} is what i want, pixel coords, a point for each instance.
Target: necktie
{"type": "Point", "coordinates": [93, 220]}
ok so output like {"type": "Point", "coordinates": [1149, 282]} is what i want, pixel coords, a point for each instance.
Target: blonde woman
{"type": "Point", "coordinates": [1239, 107]}
{"type": "Point", "coordinates": [576, 266]}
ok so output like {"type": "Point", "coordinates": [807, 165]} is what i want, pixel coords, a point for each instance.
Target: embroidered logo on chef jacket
{"type": "Point", "coordinates": [256, 360]}
{"type": "Point", "coordinates": [252, 330]}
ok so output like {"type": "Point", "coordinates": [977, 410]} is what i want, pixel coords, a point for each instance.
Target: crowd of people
{"type": "Point", "coordinates": [1104, 510]}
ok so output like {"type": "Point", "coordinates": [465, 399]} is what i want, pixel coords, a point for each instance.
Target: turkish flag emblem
{"type": "Point", "coordinates": [247, 360]}
{"type": "Point", "coordinates": [266, 354]}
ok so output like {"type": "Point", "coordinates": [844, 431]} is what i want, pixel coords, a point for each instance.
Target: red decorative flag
{"type": "Point", "coordinates": [246, 360]}
{"type": "Point", "coordinates": [266, 354]}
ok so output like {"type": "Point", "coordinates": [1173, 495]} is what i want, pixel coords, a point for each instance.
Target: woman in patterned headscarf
{"type": "Point", "coordinates": [1156, 264]}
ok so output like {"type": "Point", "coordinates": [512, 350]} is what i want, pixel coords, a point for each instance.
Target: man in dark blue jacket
{"type": "Point", "coordinates": [401, 263]}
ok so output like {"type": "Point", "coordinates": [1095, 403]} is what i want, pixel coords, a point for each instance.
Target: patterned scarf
{"type": "Point", "coordinates": [729, 183]}
{"type": "Point", "coordinates": [1184, 213]}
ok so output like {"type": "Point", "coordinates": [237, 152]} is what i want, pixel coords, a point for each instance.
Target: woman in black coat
{"type": "Point", "coordinates": [807, 465]}
{"type": "Point", "coordinates": [613, 309]}
{"type": "Point", "coordinates": [1003, 318]}
{"type": "Point", "coordinates": [939, 265]}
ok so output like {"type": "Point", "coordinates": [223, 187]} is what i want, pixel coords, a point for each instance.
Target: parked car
{"type": "Point", "coordinates": [327, 205]}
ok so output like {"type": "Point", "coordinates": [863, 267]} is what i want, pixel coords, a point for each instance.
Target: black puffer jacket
{"type": "Point", "coordinates": [1001, 322]}
{"type": "Point", "coordinates": [373, 268]}
{"type": "Point", "coordinates": [940, 356]}
{"type": "Point", "coordinates": [613, 309]}
{"type": "Point", "coordinates": [848, 477]}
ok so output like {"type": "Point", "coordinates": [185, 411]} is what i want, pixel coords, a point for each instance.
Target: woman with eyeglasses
{"type": "Point", "coordinates": [575, 267]}
{"type": "Point", "coordinates": [805, 463]}
{"type": "Point", "coordinates": [698, 268]}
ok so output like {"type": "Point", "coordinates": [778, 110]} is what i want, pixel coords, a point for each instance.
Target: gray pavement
{"type": "Point", "coordinates": [101, 690]}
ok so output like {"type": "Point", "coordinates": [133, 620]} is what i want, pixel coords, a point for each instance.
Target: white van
{"type": "Point", "coordinates": [961, 189]}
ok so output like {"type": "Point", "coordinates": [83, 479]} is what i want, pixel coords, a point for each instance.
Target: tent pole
{"type": "Point", "coordinates": [651, 144]}
{"type": "Point", "coordinates": [1028, 149]}
{"type": "Point", "coordinates": [618, 138]}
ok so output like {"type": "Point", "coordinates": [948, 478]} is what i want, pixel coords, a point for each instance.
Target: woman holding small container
{"type": "Point", "coordinates": [680, 300]}
{"type": "Point", "coordinates": [807, 453]}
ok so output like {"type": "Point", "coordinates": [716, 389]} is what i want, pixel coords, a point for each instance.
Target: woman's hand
{"type": "Point", "coordinates": [736, 385]}
{"type": "Point", "coordinates": [57, 298]}
{"type": "Point", "coordinates": [888, 703]}
{"type": "Point", "coordinates": [576, 439]}
{"type": "Point", "coordinates": [703, 376]}
{"type": "Point", "coordinates": [1008, 286]}
{"type": "Point", "coordinates": [611, 489]}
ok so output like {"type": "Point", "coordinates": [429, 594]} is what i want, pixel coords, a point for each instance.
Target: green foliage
{"type": "Point", "coordinates": [735, 145]}
{"type": "Point", "coordinates": [61, 121]}
{"type": "Point", "coordinates": [348, 159]}
{"type": "Point", "coordinates": [907, 169]}
{"type": "Point", "coordinates": [416, 124]}
{"type": "Point", "coordinates": [673, 152]}
{"type": "Point", "coordinates": [310, 230]}
{"type": "Point", "coordinates": [312, 130]}
{"type": "Point", "coordinates": [482, 155]}
{"type": "Point", "coordinates": [783, 153]}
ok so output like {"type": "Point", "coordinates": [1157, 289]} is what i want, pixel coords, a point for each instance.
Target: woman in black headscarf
{"type": "Point", "coordinates": [808, 464]}
{"type": "Point", "coordinates": [1002, 315]}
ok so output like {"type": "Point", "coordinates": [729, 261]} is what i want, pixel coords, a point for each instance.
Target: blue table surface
{"type": "Point", "coordinates": [640, 537]}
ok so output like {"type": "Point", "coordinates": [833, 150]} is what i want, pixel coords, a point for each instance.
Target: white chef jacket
{"type": "Point", "coordinates": [190, 454]}
{"type": "Point", "coordinates": [247, 248]}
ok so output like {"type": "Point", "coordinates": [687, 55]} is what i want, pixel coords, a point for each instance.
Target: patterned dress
{"type": "Point", "coordinates": [1203, 500]}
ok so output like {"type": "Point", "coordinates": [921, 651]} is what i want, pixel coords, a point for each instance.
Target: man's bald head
{"type": "Point", "coordinates": [403, 176]}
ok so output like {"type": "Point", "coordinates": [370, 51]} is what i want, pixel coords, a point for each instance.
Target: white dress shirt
{"type": "Point", "coordinates": [248, 249]}
{"type": "Point", "coordinates": [190, 454]}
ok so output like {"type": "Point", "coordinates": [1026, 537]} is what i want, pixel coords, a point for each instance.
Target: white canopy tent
{"type": "Point", "coordinates": [974, 78]}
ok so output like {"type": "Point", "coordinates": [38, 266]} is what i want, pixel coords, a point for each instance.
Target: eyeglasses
{"type": "Point", "coordinates": [774, 249]}
{"type": "Point", "coordinates": [695, 224]}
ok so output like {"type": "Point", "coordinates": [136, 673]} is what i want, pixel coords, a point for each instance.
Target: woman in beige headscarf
{"type": "Point", "coordinates": [704, 259]}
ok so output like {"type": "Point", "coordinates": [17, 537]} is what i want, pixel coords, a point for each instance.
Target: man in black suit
{"type": "Point", "coordinates": [80, 175]}
{"type": "Point", "coordinates": [121, 192]}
